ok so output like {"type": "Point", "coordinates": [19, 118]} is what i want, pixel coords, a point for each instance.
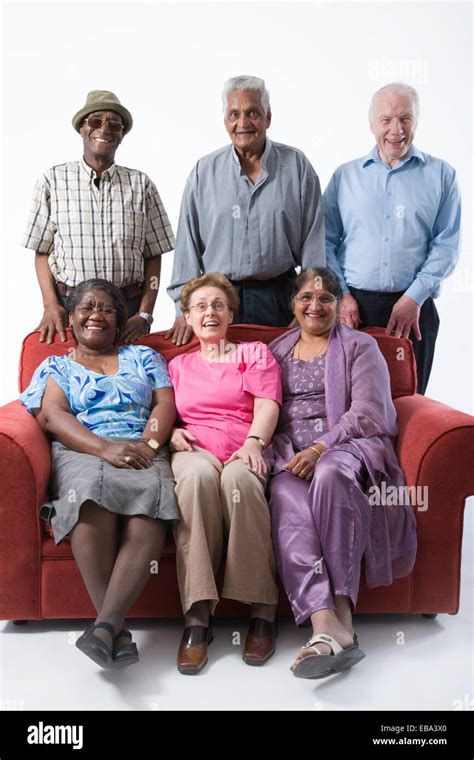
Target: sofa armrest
{"type": "Point", "coordinates": [26, 464]}
{"type": "Point", "coordinates": [436, 449]}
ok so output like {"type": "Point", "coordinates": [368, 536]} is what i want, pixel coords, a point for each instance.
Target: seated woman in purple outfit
{"type": "Point", "coordinates": [333, 441]}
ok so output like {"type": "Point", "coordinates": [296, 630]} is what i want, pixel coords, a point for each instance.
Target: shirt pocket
{"type": "Point", "coordinates": [134, 229]}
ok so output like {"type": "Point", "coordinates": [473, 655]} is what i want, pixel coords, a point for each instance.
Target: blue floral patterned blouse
{"type": "Point", "coordinates": [108, 405]}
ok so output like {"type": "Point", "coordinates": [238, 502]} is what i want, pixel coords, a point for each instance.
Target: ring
{"type": "Point", "coordinates": [126, 459]}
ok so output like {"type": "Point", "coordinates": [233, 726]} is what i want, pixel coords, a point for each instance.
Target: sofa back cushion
{"type": "Point", "coordinates": [398, 352]}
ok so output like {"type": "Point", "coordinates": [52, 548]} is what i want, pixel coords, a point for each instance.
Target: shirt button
{"type": "Point", "coordinates": [387, 239]}
{"type": "Point", "coordinates": [388, 216]}
{"type": "Point", "coordinates": [385, 263]}
{"type": "Point", "coordinates": [389, 194]}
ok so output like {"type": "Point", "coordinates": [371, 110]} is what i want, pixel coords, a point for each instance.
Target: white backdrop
{"type": "Point", "coordinates": [167, 63]}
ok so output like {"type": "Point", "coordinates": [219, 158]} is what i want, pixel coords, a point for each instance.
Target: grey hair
{"type": "Point", "coordinates": [402, 89]}
{"type": "Point", "coordinates": [243, 83]}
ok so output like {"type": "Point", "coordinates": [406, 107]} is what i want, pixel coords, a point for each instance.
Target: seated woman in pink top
{"type": "Point", "coordinates": [227, 399]}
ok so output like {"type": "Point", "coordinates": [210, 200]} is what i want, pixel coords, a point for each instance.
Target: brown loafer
{"type": "Point", "coordinates": [260, 641]}
{"type": "Point", "coordinates": [192, 652]}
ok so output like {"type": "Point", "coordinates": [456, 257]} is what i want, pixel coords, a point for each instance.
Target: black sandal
{"type": "Point", "coordinates": [125, 654]}
{"type": "Point", "coordinates": [95, 648]}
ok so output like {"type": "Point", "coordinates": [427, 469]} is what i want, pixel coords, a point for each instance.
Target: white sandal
{"type": "Point", "coordinates": [321, 665]}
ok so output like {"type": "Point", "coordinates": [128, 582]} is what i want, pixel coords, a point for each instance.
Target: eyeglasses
{"type": "Point", "coordinates": [326, 300]}
{"type": "Point", "coordinates": [201, 307]}
{"type": "Point", "coordinates": [87, 309]}
{"type": "Point", "coordinates": [95, 122]}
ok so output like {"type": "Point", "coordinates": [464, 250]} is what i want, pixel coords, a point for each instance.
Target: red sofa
{"type": "Point", "coordinates": [435, 446]}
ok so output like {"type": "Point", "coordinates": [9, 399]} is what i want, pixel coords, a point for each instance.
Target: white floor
{"type": "Point", "coordinates": [412, 663]}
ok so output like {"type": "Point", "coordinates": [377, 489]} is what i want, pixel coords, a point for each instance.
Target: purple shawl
{"type": "Point", "coordinates": [360, 410]}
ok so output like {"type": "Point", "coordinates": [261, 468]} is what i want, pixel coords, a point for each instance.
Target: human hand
{"type": "Point", "coordinates": [127, 456]}
{"type": "Point", "coordinates": [179, 440]}
{"type": "Point", "coordinates": [148, 452]}
{"type": "Point", "coordinates": [180, 333]}
{"type": "Point", "coordinates": [404, 318]}
{"type": "Point", "coordinates": [349, 312]}
{"type": "Point", "coordinates": [135, 328]}
{"type": "Point", "coordinates": [54, 320]}
{"type": "Point", "coordinates": [304, 462]}
{"type": "Point", "coordinates": [251, 454]}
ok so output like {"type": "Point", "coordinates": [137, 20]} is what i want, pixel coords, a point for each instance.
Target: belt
{"type": "Point", "coordinates": [251, 283]}
{"type": "Point", "coordinates": [377, 293]}
{"type": "Point", "coordinates": [129, 291]}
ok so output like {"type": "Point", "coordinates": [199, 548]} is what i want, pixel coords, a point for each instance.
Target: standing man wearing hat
{"type": "Point", "coordinates": [95, 219]}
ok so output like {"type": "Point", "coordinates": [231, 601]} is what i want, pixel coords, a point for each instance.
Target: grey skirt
{"type": "Point", "coordinates": [76, 478]}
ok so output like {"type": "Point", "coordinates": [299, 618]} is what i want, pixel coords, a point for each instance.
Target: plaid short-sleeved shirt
{"type": "Point", "coordinates": [89, 231]}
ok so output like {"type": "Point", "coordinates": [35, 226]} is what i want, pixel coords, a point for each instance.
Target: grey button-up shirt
{"type": "Point", "coordinates": [244, 230]}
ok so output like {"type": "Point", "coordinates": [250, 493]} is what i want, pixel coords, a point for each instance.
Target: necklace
{"type": "Point", "coordinates": [296, 350]}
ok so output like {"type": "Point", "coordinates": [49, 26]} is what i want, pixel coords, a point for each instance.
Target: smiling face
{"type": "Point", "coordinates": [393, 124]}
{"type": "Point", "coordinates": [315, 317]}
{"type": "Point", "coordinates": [94, 329]}
{"type": "Point", "coordinates": [100, 144]}
{"type": "Point", "coordinates": [210, 325]}
{"type": "Point", "coordinates": [246, 122]}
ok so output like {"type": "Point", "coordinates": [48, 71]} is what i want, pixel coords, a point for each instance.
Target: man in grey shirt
{"type": "Point", "coordinates": [251, 211]}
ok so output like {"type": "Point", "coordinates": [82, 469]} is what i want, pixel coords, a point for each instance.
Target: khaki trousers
{"type": "Point", "coordinates": [215, 503]}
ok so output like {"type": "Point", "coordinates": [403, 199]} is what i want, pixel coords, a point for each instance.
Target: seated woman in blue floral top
{"type": "Point", "coordinates": [109, 411]}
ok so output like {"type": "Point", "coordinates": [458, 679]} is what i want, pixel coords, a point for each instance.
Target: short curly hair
{"type": "Point", "coordinates": [210, 280]}
{"type": "Point", "coordinates": [118, 300]}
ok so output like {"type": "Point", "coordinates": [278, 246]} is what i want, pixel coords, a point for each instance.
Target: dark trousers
{"type": "Point", "coordinates": [375, 309]}
{"type": "Point", "coordinates": [265, 302]}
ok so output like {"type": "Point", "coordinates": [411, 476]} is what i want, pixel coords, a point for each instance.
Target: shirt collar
{"type": "Point", "coordinates": [263, 159]}
{"type": "Point", "coordinates": [373, 156]}
{"type": "Point", "coordinates": [91, 174]}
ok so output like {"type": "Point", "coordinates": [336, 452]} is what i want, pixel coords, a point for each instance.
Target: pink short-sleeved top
{"type": "Point", "coordinates": [215, 400]}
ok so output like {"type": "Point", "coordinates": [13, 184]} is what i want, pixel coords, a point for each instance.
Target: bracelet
{"type": "Point", "coordinates": [318, 451]}
{"type": "Point", "coordinates": [257, 438]}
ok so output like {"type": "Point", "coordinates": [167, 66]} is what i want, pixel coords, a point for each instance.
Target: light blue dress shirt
{"type": "Point", "coordinates": [395, 229]}
{"type": "Point", "coordinates": [244, 230]}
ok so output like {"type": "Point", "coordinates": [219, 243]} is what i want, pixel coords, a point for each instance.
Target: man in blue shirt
{"type": "Point", "coordinates": [392, 228]}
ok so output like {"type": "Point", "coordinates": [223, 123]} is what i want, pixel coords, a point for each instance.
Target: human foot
{"type": "Point", "coordinates": [125, 650]}
{"type": "Point", "coordinates": [93, 644]}
{"type": "Point", "coordinates": [337, 631]}
{"type": "Point", "coordinates": [323, 655]}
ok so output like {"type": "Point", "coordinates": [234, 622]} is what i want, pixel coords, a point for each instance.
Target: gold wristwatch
{"type": "Point", "coordinates": [153, 444]}
{"type": "Point", "coordinates": [258, 439]}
